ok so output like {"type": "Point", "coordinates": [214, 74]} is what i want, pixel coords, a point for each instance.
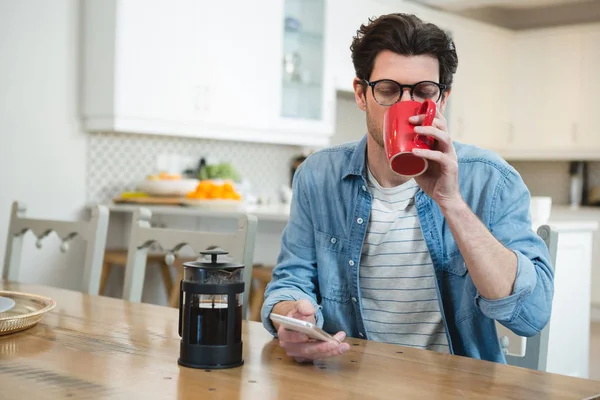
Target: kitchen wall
{"type": "Point", "coordinates": [350, 121]}
{"type": "Point", "coordinates": [551, 178]}
{"type": "Point", "coordinates": [118, 162]}
{"type": "Point", "coordinates": [42, 148]}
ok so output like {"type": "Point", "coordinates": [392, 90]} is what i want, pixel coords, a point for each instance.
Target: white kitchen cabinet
{"type": "Point", "coordinates": [589, 98]}
{"type": "Point", "coordinates": [480, 105]}
{"type": "Point", "coordinates": [345, 20]}
{"type": "Point", "coordinates": [546, 90]}
{"type": "Point", "coordinates": [568, 347]}
{"type": "Point", "coordinates": [179, 68]}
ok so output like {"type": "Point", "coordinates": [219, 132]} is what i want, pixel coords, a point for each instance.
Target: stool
{"type": "Point", "coordinates": [118, 257]}
{"type": "Point", "coordinates": [174, 294]}
{"type": "Point", "coordinates": [261, 276]}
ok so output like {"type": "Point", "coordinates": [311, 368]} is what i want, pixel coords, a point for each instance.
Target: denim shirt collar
{"type": "Point", "coordinates": [358, 162]}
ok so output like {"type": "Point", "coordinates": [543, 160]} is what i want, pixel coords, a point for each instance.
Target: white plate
{"type": "Point", "coordinates": [6, 304]}
{"type": "Point", "coordinates": [217, 203]}
{"type": "Point", "coordinates": [165, 187]}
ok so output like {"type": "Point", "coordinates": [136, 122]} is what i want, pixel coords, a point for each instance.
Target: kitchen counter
{"type": "Point", "coordinates": [573, 225]}
{"type": "Point", "coordinates": [275, 212]}
{"type": "Point", "coordinates": [563, 218]}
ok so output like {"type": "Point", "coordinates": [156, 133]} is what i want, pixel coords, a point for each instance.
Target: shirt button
{"type": "Point", "coordinates": [351, 263]}
{"type": "Point", "coordinates": [360, 221]}
{"type": "Point", "coordinates": [333, 240]}
{"type": "Point", "coordinates": [364, 188]}
{"type": "Point", "coordinates": [354, 299]}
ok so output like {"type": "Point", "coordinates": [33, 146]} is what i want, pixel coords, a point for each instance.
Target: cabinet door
{"type": "Point", "coordinates": [137, 59]}
{"type": "Point", "coordinates": [588, 134]}
{"type": "Point", "coordinates": [546, 90]}
{"type": "Point", "coordinates": [479, 105]}
{"type": "Point", "coordinates": [568, 345]}
{"type": "Point", "coordinates": [303, 69]}
{"type": "Point", "coordinates": [237, 64]}
{"type": "Point", "coordinates": [344, 21]}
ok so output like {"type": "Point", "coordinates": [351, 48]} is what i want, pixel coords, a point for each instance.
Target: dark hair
{"type": "Point", "coordinates": [403, 34]}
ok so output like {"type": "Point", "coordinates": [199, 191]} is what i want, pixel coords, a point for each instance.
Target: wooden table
{"type": "Point", "coordinates": [99, 348]}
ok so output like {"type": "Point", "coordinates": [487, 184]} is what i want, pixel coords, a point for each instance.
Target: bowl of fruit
{"type": "Point", "coordinates": [214, 193]}
{"type": "Point", "coordinates": [164, 184]}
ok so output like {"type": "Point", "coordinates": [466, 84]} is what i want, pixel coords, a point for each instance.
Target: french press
{"type": "Point", "coordinates": [210, 313]}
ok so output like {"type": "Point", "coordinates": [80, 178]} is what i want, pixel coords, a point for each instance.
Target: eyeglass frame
{"type": "Point", "coordinates": [441, 86]}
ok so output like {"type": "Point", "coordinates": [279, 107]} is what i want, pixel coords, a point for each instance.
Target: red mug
{"type": "Point", "coordinates": [400, 139]}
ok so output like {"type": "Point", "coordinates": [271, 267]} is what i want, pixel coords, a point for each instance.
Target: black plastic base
{"type": "Point", "coordinates": [200, 366]}
{"type": "Point", "coordinates": [210, 357]}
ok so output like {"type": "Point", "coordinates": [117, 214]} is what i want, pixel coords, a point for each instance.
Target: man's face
{"type": "Point", "coordinates": [405, 70]}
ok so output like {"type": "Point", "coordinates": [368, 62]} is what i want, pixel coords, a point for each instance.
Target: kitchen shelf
{"type": "Point", "coordinates": [302, 86]}
{"type": "Point", "coordinates": [303, 35]}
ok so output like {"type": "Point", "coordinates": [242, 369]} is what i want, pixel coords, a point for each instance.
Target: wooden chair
{"type": "Point", "coordinates": [261, 276]}
{"type": "Point", "coordinates": [239, 244]}
{"type": "Point", "coordinates": [93, 232]}
{"type": "Point", "coordinates": [118, 258]}
{"type": "Point", "coordinates": [536, 348]}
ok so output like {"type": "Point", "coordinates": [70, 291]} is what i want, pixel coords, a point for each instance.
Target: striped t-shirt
{"type": "Point", "coordinates": [397, 282]}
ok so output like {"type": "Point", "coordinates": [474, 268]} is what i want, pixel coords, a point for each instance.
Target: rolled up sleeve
{"type": "Point", "coordinates": [295, 275]}
{"type": "Point", "coordinates": [526, 311]}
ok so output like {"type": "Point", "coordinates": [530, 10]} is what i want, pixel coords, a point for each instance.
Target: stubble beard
{"type": "Point", "coordinates": [374, 130]}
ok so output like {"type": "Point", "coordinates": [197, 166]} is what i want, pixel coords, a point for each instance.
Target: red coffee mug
{"type": "Point", "coordinates": [400, 139]}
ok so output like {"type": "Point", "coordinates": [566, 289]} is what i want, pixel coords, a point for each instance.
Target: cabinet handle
{"type": "Point", "coordinates": [575, 132]}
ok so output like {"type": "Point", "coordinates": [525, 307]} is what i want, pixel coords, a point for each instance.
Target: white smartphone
{"type": "Point", "coordinates": [309, 329]}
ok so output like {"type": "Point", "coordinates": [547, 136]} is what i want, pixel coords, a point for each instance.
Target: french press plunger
{"type": "Point", "coordinates": [210, 313]}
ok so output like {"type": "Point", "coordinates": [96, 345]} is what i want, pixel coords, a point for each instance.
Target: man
{"type": "Point", "coordinates": [429, 262]}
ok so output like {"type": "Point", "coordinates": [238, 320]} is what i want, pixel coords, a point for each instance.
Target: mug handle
{"type": "Point", "coordinates": [428, 108]}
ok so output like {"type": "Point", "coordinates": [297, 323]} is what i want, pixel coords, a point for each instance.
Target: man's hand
{"type": "Point", "coordinates": [298, 345]}
{"type": "Point", "coordinates": [492, 266]}
{"type": "Point", "coordinates": [440, 181]}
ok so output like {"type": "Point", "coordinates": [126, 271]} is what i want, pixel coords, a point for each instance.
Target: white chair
{"type": "Point", "coordinates": [536, 348]}
{"type": "Point", "coordinates": [93, 232]}
{"type": "Point", "coordinates": [239, 244]}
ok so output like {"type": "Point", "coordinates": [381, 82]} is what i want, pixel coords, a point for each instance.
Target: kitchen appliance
{"type": "Point", "coordinates": [210, 313]}
{"type": "Point", "coordinates": [578, 187]}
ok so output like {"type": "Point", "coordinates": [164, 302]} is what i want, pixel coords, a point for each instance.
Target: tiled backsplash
{"type": "Point", "coordinates": [551, 178]}
{"type": "Point", "coordinates": [118, 162]}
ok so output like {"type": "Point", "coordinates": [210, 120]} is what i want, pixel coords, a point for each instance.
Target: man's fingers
{"type": "Point", "coordinates": [438, 122]}
{"type": "Point", "coordinates": [341, 336]}
{"type": "Point", "coordinates": [314, 350]}
{"type": "Point", "coordinates": [447, 163]}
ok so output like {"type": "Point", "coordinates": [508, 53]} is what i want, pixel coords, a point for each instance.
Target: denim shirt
{"type": "Point", "coordinates": [321, 248]}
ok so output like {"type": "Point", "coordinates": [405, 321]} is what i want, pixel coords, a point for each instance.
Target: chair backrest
{"type": "Point", "coordinates": [239, 244]}
{"type": "Point", "coordinates": [536, 348]}
{"type": "Point", "coordinates": [93, 232]}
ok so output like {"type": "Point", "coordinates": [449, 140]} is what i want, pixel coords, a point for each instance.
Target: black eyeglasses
{"type": "Point", "coordinates": [387, 92]}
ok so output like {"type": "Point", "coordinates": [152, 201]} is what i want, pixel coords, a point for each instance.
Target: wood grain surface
{"type": "Point", "coordinates": [93, 347]}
